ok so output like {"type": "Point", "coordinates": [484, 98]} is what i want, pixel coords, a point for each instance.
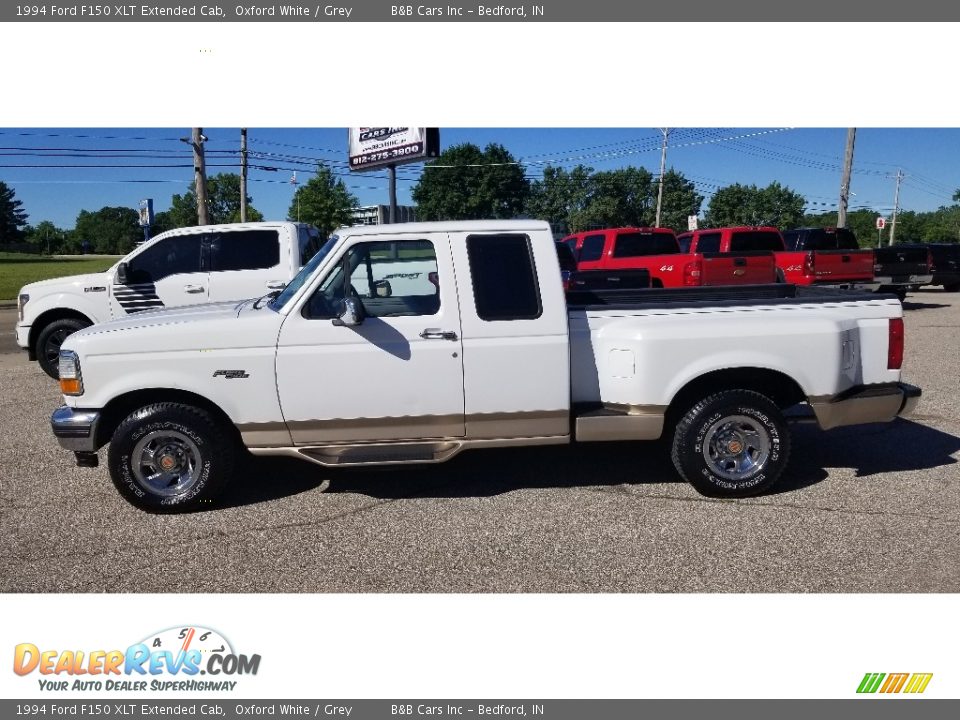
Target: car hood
{"type": "Point", "coordinates": [74, 283]}
{"type": "Point", "coordinates": [196, 328]}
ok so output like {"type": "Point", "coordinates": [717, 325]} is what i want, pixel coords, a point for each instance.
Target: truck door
{"type": "Point", "coordinates": [246, 263]}
{"type": "Point", "coordinates": [167, 273]}
{"type": "Point", "coordinates": [398, 374]}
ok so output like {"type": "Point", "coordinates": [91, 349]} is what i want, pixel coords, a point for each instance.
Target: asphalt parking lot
{"type": "Point", "coordinates": [865, 509]}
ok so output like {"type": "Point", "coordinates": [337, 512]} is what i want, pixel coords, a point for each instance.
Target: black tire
{"type": "Point", "coordinates": [952, 288]}
{"type": "Point", "coordinates": [901, 293]}
{"type": "Point", "coordinates": [706, 439]}
{"type": "Point", "coordinates": [201, 454]}
{"type": "Point", "coordinates": [51, 338]}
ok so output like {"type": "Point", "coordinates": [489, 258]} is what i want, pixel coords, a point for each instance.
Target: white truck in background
{"type": "Point", "coordinates": [186, 266]}
{"type": "Point", "coordinates": [409, 343]}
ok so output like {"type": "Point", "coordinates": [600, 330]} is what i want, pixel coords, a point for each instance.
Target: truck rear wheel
{"type": "Point", "coordinates": [170, 457]}
{"type": "Point", "coordinates": [51, 338]}
{"type": "Point", "coordinates": [732, 444]}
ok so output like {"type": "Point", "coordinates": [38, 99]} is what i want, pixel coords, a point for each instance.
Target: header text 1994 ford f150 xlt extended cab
{"type": "Point", "coordinates": [409, 343]}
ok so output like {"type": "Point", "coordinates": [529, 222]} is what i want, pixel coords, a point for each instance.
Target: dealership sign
{"type": "Point", "coordinates": [376, 147]}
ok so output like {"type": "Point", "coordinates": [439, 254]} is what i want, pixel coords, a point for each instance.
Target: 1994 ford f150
{"type": "Point", "coordinates": [409, 343]}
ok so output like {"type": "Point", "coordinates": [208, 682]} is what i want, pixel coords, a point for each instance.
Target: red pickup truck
{"type": "Point", "coordinates": [657, 250]}
{"type": "Point", "coordinates": [823, 257]}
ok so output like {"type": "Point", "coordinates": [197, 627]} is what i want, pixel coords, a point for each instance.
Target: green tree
{"type": "Point", "coordinates": [617, 198]}
{"type": "Point", "coordinates": [45, 237]}
{"type": "Point", "coordinates": [223, 203]}
{"type": "Point", "coordinates": [738, 204]}
{"type": "Point", "coordinates": [323, 201]}
{"type": "Point", "coordinates": [109, 230]}
{"type": "Point", "coordinates": [467, 183]}
{"type": "Point", "coordinates": [559, 196]}
{"type": "Point", "coordinates": [680, 199]}
{"type": "Point", "coordinates": [12, 216]}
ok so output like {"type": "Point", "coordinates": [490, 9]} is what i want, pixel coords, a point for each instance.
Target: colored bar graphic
{"type": "Point", "coordinates": [870, 682]}
{"type": "Point", "coordinates": [895, 682]}
{"type": "Point", "coordinates": [918, 683]}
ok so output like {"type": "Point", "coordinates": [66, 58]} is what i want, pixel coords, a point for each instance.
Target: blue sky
{"type": "Point", "coordinates": [46, 167]}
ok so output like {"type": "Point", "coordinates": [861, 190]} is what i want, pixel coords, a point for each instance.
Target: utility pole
{"type": "Point", "coordinates": [663, 165]}
{"type": "Point", "coordinates": [393, 193]}
{"type": "Point", "coordinates": [296, 192]}
{"type": "Point", "coordinates": [896, 207]}
{"type": "Point", "coordinates": [243, 174]}
{"type": "Point", "coordinates": [845, 179]}
{"type": "Point", "coordinates": [200, 172]}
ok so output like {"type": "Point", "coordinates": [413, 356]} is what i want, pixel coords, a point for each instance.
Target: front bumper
{"type": "Point", "coordinates": [75, 429]}
{"type": "Point", "coordinates": [23, 336]}
{"type": "Point", "coordinates": [866, 404]}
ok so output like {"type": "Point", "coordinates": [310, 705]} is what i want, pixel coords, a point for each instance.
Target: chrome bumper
{"type": "Point", "coordinates": [75, 429]}
{"type": "Point", "coordinates": [866, 404]}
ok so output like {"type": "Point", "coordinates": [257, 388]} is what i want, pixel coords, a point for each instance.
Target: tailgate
{"type": "Point", "coordinates": [741, 268]}
{"type": "Point", "coordinates": [843, 265]}
{"type": "Point", "coordinates": [901, 262]}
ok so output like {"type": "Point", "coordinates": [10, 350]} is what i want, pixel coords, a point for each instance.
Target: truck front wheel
{"type": "Point", "coordinates": [170, 457]}
{"type": "Point", "coordinates": [51, 338]}
{"type": "Point", "coordinates": [732, 444]}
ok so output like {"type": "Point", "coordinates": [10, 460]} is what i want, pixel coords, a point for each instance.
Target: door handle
{"type": "Point", "coordinates": [193, 288]}
{"type": "Point", "coordinates": [437, 334]}
{"type": "Point", "coordinates": [739, 262]}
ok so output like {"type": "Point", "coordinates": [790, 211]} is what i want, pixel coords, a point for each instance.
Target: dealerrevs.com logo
{"type": "Point", "coordinates": [174, 659]}
{"type": "Point", "coordinates": [893, 683]}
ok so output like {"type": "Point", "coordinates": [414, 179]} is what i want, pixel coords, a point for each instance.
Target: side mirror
{"type": "Point", "coordinates": [351, 314]}
{"type": "Point", "coordinates": [122, 273]}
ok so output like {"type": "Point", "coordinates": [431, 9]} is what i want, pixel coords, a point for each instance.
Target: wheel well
{"type": "Point", "coordinates": [656, 283]}
{"type": "Point", "coordinates": [50, 316]}
{"type": "Point", "coordinates": [780, 388]}
{"type": "Point", "coordinates": [120, 407]}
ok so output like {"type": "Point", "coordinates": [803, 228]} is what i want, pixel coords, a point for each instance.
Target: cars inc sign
{"type": "Point", "coordinates": [375, 147]}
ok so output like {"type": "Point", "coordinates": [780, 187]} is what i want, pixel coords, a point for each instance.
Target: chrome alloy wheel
{"type": "Point", "coordinates": [166, 463]}
{"type": "Point", "coordinates": [736, 447]}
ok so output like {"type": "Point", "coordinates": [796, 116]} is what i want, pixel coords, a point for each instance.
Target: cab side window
{"type": "Point", "coordinates": [244, 250]}
{"type": "Point", "coordinates": [171, 256]}
{"type": "Point", "coordinates": [392, 279]}
{"type": "Point", "coordinates": [708, 243]}
{"type": "Point", "coordinates": [592, 248]}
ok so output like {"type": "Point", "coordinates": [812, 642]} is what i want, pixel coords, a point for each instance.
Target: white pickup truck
{"type": "Point", "coordinates": [410, 343]}
{"type": "Point", "coordinates": [186, 266]}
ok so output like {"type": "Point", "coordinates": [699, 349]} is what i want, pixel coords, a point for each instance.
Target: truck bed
{"type": "Point", "coordinates": [728, 296]}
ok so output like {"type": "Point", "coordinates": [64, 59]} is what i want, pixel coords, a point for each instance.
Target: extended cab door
{"type": "Point", "coordinates": [167, 273]}
{"type": "Point", "coordinates": [399, 374]}
{"type": "Point", "coordinates": [247, 263]}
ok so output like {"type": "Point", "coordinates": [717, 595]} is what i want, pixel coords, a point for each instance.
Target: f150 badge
{"type": "Point", "coordinates": [231, 374]}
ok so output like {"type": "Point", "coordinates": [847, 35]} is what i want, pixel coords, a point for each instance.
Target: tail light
{"type": "Point", "coordinates": [895, 344]}
{"type": "Point", "coordinates": [693, 274]}
{"type": "Point", "coordinates": [808, 270]}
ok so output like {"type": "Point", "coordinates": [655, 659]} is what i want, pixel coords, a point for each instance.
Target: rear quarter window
{"type": "Point", "coordinates": [639, 244]}
{"type": "Point", "coordinates": [755, 240]}
{"type": "Point", "coordinates": [505, 285]}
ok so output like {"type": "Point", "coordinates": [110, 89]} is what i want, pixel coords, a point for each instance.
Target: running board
{"type": "Point", "coordinates": [391, 454]}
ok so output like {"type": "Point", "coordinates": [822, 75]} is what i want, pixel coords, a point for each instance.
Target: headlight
{"type": "Point", "coordinates": [71, 381]}
{"type": "Point", "coordinates": [22, 300]}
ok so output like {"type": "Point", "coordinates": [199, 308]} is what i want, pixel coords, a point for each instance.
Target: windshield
{"type": "Point", "coordinates": [305, 272]}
